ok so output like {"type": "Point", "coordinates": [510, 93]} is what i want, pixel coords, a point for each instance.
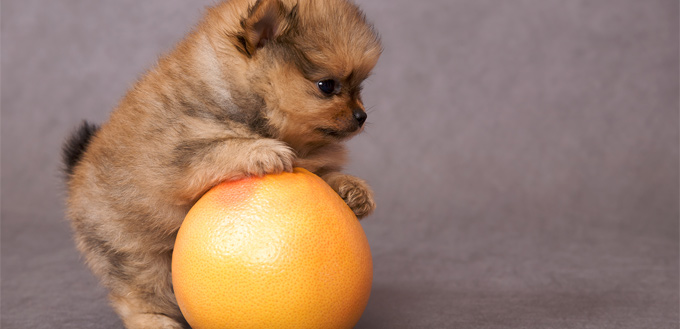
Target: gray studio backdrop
{"type": "Point", "coordinates": [524, 155]}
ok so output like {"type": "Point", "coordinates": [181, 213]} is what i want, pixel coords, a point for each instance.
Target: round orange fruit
{"type": "Point", "coordinates": [278, 251]}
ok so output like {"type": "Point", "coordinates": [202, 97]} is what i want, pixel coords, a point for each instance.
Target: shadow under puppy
{"type": "Point", "coordinates": [257, 87]}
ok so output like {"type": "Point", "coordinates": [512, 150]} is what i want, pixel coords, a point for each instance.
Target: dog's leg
{"type": "Point", "coordinates": [205, 163]}
{"type": "Point", "coordinates": [138, 278]}
{"type": "Point", "coordinates": [143, 295]}
{"type": "Point", "coordinates": [327, 162]}
{"type": "Point", "coordinates": [355, 191]}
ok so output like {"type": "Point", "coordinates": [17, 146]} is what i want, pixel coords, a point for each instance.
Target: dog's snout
{"type": "Point", "coordinates": [359, 115]}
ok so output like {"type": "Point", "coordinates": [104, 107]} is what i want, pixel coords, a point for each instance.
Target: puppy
{"type": "Point", "coordinates": [258, 87]}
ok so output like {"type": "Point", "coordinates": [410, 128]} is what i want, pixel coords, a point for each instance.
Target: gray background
{"type": "Point", "coordinates": [524, 155]}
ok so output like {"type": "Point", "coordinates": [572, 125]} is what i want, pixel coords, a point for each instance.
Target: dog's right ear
{"type": "Point", "coordinates": [266, 21]}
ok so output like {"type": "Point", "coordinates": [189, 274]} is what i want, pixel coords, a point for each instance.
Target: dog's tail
{"type": "Point", "coordinates": [73, 149]}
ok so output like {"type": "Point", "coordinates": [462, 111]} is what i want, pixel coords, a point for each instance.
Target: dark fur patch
{"type": "Point", "coordinates": [255, 120]}
{"type": "Point", "coordinates": [242, 45]}
{"type": "Point", "coordinates": [261, 125]}
{"type": "Point", "coordinates": [75, 146]}
{"type": "Point", "coordinates": [192, 151]}
{"type": "Point", "coordinates": [248, 111]}
{"type": "Point", "coordinates": [116, 260]}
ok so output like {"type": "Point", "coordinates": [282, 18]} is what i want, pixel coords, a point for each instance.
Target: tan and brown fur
{"type": "Point", "coordinates": [237, 97]}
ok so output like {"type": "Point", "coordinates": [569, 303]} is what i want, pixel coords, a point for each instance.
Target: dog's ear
{"type": "Point", "coordinates": [266, 21]}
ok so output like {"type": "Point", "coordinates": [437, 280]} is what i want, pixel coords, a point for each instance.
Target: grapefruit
{"type": "Point", "coordinates": [278, 251]}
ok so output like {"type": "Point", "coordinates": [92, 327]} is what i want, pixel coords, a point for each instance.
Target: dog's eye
{"type": "Point", "coordinates": [328, 86]}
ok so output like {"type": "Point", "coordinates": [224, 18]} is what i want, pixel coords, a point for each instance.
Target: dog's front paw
{"type": "Point", "coordinates": [269, 156]}
{"type": "Point", "coordinates": [355, 191]}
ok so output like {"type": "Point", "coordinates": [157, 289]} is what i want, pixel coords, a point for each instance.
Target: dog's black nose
{"type": "Point", "coordinates": [360, 115]}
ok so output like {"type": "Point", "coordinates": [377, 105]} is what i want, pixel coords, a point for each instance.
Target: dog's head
{"type": "Point", "coordinates": [306, 60]}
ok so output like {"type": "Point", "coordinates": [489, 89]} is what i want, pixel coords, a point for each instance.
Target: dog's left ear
{"type": "Point", "coordinates": [266, 21]}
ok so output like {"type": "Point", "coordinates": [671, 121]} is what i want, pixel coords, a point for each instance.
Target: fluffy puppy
{"type": "Point", "coordinates": [257, 87]}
